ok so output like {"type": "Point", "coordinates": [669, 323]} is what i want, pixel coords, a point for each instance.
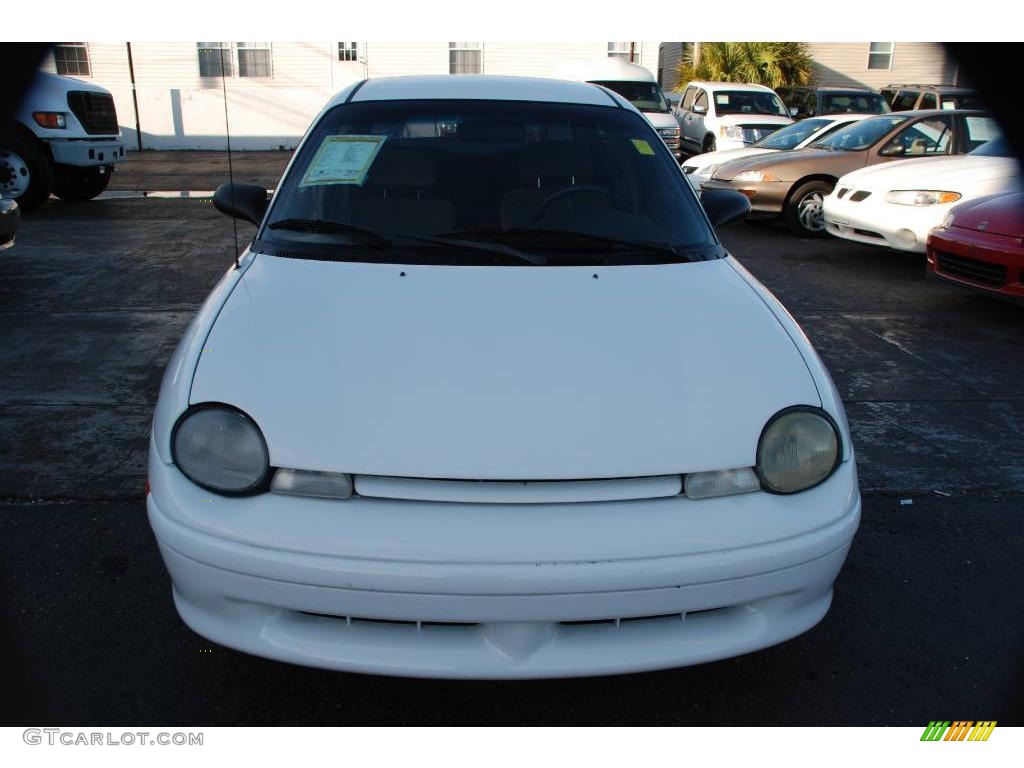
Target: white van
{"type": "Point", "coordinates": [634, 83]}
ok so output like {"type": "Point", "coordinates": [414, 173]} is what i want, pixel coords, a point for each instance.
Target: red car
{"type": "Point", "coordinates": [980, 246]}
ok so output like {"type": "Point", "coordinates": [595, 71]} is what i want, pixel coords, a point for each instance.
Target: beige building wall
{"type": "Point", "coordinates": [847, 64]}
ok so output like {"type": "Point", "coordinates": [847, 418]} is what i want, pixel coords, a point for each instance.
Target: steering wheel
{"type": "Point", "coordinates": [550, 200]}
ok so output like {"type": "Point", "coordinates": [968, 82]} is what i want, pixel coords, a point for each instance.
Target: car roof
{"type": "Point", "coordinates": [833, 88]}
{"type": "Point", "coordinates": [933, 86]}
{"type": "Point", "coordinates": [719, 85]}
{"type": "Point", "coordinates": [489, 87]}
{"type": "Point", "coordinates": [927, 112]}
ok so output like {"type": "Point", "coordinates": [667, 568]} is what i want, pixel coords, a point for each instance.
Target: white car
{"type": "Point", "coordinates": [700, 168]}
{"type": "Point", "coordinates": [898, 204]}
{"type": "Point", "coordinates": [717, 116]}
{"type": "Point", "coordinates": [486, 398]}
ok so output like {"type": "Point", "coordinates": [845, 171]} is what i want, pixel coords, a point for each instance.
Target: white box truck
{"type": "Point", "coordinates": [63, 139]}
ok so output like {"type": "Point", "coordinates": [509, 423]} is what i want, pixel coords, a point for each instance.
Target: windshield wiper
{"type": "Point", "coordinates": [560, 237]}
{"type": "Point", "coordinates": [388, 240]}
{"type": "Point", "coordinates": [323, 227]}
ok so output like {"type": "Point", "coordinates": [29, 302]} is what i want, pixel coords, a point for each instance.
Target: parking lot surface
{"type": "Point", "coordinates": [927, 620]}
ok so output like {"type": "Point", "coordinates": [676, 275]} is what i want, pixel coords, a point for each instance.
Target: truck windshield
{"type": "Point", "coordinates": [647, 97]}
{"type": "Point", "coordinates": [437, 178]}
{"type": "Point", "coordinates": [749, 103]}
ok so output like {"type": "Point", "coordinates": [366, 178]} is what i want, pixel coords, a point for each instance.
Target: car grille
{"type": "Point", "coordinates": [757, 132]}
{"type": "Point", "coordinates": [95, 111]}
{"type": "Point", "coordinates": [972, 270]}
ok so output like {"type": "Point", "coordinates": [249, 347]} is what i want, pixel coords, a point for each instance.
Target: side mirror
{"type": "Point", "coordinates": [699, 109]}
{"type": "Point", "coordinates": [794, 111]}
{"type": "Point", "coordinates": [247, 202]}
{"type": "Point", "coordinates": [10, 214]}
{"type": "Point", "coordinates": [724, 206]}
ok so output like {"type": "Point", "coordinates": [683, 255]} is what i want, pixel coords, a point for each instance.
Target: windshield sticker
{"type": "Point", "coordinates": [642, 146]}
{"type": "Point", "coordinates": [343, 160]}
{"type": "Point", "coordinates": [722, 98]}
{"type": "Point", "coordinates": [981, 128]}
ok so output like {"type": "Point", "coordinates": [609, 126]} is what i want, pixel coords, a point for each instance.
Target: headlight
{"type": "Point", "coordinates": [731, 132]}
{"type": "Point", "coordinates": [921, 197]}
{"type": "Point", "coordinates": [754, 176]}
{"type": "Point", "coordinates": [669, 133]}
{"type": "Point", "coordinates": [221, 449]}
{"type": "Point", "coordinates": [799, 448]}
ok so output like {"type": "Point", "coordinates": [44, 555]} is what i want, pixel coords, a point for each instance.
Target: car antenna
{"type": "Point", "coordinates": [227, 132]}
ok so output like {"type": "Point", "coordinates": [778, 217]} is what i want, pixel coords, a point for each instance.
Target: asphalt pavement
{"type": "Point", "coordinates": [927, 621]}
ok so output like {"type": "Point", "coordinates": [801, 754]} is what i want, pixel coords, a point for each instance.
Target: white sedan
{"type": "Point", "coordinates": [897, 204]}
{"type": "Point", "coordinates": [486, 398]}
{"type": "Point", "coordinates": [700, 168]}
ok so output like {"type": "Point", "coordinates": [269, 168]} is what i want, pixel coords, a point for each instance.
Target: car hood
{"type": "Point", "coordinates": [661, 119]}
{"type": "Point", "coordinates": [794, 164]}
{"type": "Point", "coordinates": [714, 158]}
{"type": "Point", "coordinates": [957, 173]}
{"type": "Point", "coordinates": [1002, 214]}
{"type": "Point", "coordinates": [502, 372]}
{"type": "Point", "coordinates": [750, 119]}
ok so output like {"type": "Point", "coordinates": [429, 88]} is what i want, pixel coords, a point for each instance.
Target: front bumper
{"type": "Point", "coordinates": [981, 261]}
{"type": "Point", "coordinates": [87, 152]}
{"type": "Point", "coordinates": [767, 197]}
{"type": "Point", "coordinates": [493, 591]}
{"type": "Point", "coordinates": [876, 222]}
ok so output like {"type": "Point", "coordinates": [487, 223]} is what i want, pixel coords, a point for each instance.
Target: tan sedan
{"type": "Point", "coordinates": [793, 184]}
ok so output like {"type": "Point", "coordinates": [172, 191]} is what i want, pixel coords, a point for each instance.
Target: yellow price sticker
{"type": "Point", "coordinates": [642, 146]}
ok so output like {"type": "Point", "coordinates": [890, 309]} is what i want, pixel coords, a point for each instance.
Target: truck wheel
{"type": "Point", "coordinates": [26, 174]}
{"type": "Point", "coordinates": [803, 214]}
{"type": "Point", "coordinates": [81, 184]}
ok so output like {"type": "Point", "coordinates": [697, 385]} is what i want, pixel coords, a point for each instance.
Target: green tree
{"type": "Point", "coordinates": [771, 64]}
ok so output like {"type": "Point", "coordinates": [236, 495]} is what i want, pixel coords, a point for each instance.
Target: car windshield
{"type": "Point", "coordinates": [749, 103]}
{"type": "Point", "coordinates": [647, 97]}
{"type": "Point", "coordinates": [858, 103]}
{"type": "Point", "coordinates": [790, 136]}
{"type": "Point", "coordinates": [860, 135]}
{"type": "Point", "coordinates": [995, 148]}
{"type": "Point", "coordinates": [435, 181]}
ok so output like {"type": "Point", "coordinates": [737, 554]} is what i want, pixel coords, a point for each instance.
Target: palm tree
{"type": "Point", "coordinates": [771, 64]}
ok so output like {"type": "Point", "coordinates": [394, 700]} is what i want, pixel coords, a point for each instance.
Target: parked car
{"type": "Point", "coordinates": [700, 168]}
{"type": "Point", "coordinates": [907, 97]}
{"type": "Point", "coordinates": [64, 139]}
{"type": "Point", "coordinates": [807, 101]}
{"type": "Point", "coordinates": [898, 204]}
{"type": "Point", "coordinates": [794, 184]}
{"type": "Point", "coordinates": [634, 83]}
{"type": "Point", "coordinates": [9, 215]}
{"type": "Point", "coordinates": [486, 398]}
{"type": "Point", "coordinates": [980, 246]}
{"type": "Point", "coordinates": [719, 116]}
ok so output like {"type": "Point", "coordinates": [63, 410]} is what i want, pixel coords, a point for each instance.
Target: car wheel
{"type": "Point", "coordinates": [25, 172]}
{"type": "Point", "coordinates": [81, 184]}
{"type": "Point", "coordinates": [709, 145]}
{"type": "Point", "coordinates": [804, 215]}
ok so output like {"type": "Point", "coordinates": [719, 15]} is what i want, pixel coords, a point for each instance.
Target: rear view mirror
{"type": "Point", "coordinates": [247, 202]}
{"type": "Point", "coordinates": [9, 217]}
{"type": "Point", "coordinates": [724, 206]}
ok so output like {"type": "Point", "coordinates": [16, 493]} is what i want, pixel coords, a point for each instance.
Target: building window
{"type": "Point", "coordinates": [215, 59]}
{"type": "Point", "coordinates": [880, 55]}
{"type": "Point", "coordinates": [253, 59]}
{"type": "Point", "coordinates": [71, 59]}
{"type": "Point", "coordinates": [348, 51]}
{"type": "Point", "coordinates": [465, 58]}
{"type": "Point", "coordinates": [620, 51]}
